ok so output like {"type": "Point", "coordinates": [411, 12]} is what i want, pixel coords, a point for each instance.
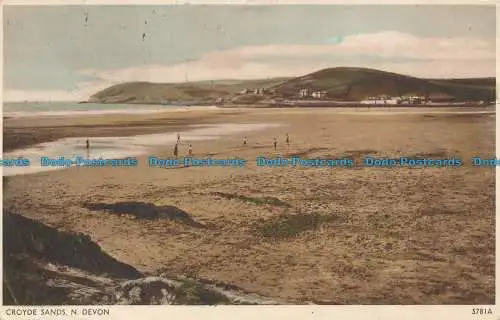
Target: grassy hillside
{"type": "Point", "coordinates": [482, 82]}
{"type": "Point", "coordinates": [146, 92]}
{"type": "Point", "coordinates": [360, 83]}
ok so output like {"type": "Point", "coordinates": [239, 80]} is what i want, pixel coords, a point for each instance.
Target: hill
{"type": "Point", "coordinates": [202, 91]}
{"type": "Point", "coordinates": [344, 84]}
{"type": "Point", "coordinates": [356, 84]}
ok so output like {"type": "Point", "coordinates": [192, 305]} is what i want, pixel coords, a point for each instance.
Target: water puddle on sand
{"type": "Point", "coordinates": [119, 147]}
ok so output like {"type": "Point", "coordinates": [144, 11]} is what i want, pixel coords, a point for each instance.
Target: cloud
{"type": "Point", "coordinates": [424, 54]}
{"type": "Point", "coordinates": [389, 44]}
{"type": "Point", "coordinates": [389, 50]}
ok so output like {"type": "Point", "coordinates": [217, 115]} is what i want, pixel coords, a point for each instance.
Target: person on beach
{"type": "Point", "coordinates": [275, 143]}
{"type": "Point", "coordinates": [176, 150]}
{"type": "Point", "coordinates": [190, 150]}
{"type": "Point", "coordinates": [178, 138]}
{"type": "Point", "coordinates": [245, 141]}
{"type": "Point", "coordinates": [287, 140]}
{"type": "Point", "coordinates": [87, 147]}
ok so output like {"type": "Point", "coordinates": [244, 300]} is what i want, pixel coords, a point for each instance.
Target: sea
{"type": "Point", "coordinates": [36, 109]}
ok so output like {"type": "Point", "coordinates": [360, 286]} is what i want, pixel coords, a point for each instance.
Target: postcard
{"type": "Point", "coordinates": [295, 156]}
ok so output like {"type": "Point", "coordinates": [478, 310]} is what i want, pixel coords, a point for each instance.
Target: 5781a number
{"type": "Point", "coordinates": [482, 311]}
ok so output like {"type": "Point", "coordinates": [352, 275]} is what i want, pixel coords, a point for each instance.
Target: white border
{"type": "Point", "coordinates": [270, 312]}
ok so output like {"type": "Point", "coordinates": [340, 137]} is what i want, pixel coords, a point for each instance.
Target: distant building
{"type": "Point", "coordinates": [394, 100]}
{"type": "Point", "coordinates": [303, 93]}
{"type": "Point", "coordinates": [373, 101]}
{"type": "Point", "coordinates": [259, 91]}
{"type": "Point", "coordinates": [413, 99]}
{"type": "Point", "coordinates": [382, 100]}
{"type": "Point", "coordinates": [440, 98]}
{"type": "Point", "coordinates": [319, 94]}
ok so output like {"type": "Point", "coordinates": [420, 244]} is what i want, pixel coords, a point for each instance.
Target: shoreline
{"type": "Point", "coordinates": [95, 112]}
{"type": "Point", "coordinates": [334, 105]}
{"type": "Point", "coordinates": [326, 105]}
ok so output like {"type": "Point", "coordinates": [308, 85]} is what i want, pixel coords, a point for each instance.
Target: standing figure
{"type": "Point", "coordinates": [176, 150]}
{"type": "Point", "coordinates": [87, 147]}
{"type": "Point", "coordinates": [287, 140]}
{"type": "Point", "coordinates": [178, 138]}
{"type": "Point", "coordinates": [275, 143]}
{"type": "Point", "coordinates": [245, 141]}
{"type": "Point", "coordinates": [190, 150]}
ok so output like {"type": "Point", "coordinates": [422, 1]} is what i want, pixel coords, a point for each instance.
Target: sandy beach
{"type": "Point", "coordinates": [322, 235]}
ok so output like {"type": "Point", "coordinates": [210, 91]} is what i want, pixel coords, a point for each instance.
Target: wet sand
{"type": "Point", "coordinates": [324, 235]}
{"type": "Point", "coordinates": [20, 132]}
{"type": "Point", "coordinates": [64, 152]}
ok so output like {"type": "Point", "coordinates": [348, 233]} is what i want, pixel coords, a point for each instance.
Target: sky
{"type": "Point", "coordinates": [67, 53]}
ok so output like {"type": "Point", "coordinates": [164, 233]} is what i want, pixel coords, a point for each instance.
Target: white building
{"type": "Point", "coordinates": [394, 100]}
{"type": "Point", "coordinates": [373, 101]}
{"type": "Point", "coordinates": [303, 93]}
{"type": "Point", "coordinates": [414, 99]}
{"type": "Point", "coordinates": [259, 91]}
{"type": "Point", "coordinates": [382, 100]}
{"type": "Point", "coordinates": [319, 94]}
